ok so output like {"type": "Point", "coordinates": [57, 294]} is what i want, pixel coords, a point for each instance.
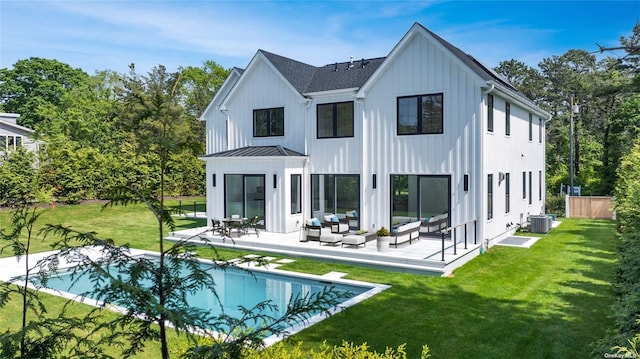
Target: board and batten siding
{"type": "Point", "coordinates": [264, 89]}
{"type": "Point", "coordinates": [216, 120]}
{"type": "Point", "coordinates": [422, 67]}
{"type": "Point", "coordinates": [335, 155]}
{"type": "Point", "coordinates": [513, 154]}
{"type": "Point", "coordinates": [278, 217]}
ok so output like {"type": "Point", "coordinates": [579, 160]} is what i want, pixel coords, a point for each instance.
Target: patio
{"type": "Point", "coordinates": [423, 256]}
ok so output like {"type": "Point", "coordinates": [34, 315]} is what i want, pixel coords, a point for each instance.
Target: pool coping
{"type": "Point", "coordinates": [13, 267]}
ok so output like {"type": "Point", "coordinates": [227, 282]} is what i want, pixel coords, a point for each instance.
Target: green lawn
{"type": "Point", "coordinates": [549, 301]}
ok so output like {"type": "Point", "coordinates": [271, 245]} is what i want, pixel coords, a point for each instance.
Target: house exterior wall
{"type": "Point", "coordinates": [419, 65]}
{"type": "Point", "coordinates": [514, 154]}
{"type": "Point", "coordinates": [215, 117]}
{"type": "Point", "coordinates": [422, 68]}
{"type": "Point", "coordinates": [265, 88]}
{"type": "Point", "coordinates": [278, 217]}
{"type": "Point", "coordinates": [10, 128]}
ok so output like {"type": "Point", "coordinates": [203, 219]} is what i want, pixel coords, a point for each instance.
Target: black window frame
{"type": "Point", "coordinates": [530, 189]}
{"type": "Point", "coordinates": [271, 122]}
{"type": "Point", "coordinates": [490, 108]}
{"type": "Point", "coordinates": [335, 120]}
{"type": "Point", "coordinates": [530, 127]}
{"type": "Point", "coordinates": [490, 196]}
{"type": "Point", "coordinates": [539, 185]}
{"type": "Point", "coordinates": [507, 119]}
{"type": "Point", "coordinates": [540, 125]}
{"type": "Point", "coordinates": [524, 184]}
{"type": "Point", "coordinates": [420, 115]}
{"type": "Point", "coordinates": [507, 193]}
{"type": "Point", "coordinates": [296, 193]}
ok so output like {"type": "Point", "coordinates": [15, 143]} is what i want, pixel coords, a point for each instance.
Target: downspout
{"type": "Point", "coordinates": [365, 172]}
{"type": "Point", "coordinates": [306, 124]}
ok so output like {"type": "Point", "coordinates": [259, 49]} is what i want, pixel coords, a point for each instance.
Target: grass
{"type": "Point", "coordinates": [549, 301]}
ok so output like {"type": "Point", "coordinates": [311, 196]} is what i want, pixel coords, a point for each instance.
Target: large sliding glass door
{"type": "Point", "coordinates": [418, 197]}
{"type": "Point", "coordinates": [244, 195]}
{"type": "Point", "coordinates": [337, 194]}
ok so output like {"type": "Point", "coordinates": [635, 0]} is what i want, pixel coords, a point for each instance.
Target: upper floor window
{"type": "Point", "coordinates": [530, 127]}
{"type": "Point", "coordinates": [335, 120]}
{"type": "Point", "coordinates": [421, 114]}
{"type": "Point", "coordinates": [507, 118]}
{"type": "Point", "coordinates": [490, 113]}
{"type": "Point", "coordinates": [540, 126]}
{"type": "Point", "coordinates": [268, 122]}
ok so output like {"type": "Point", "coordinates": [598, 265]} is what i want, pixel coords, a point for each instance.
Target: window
{"type": "Point", "coordinates": [420, 114]}
{"type": "Point", "coordinates": [530, 197]}
{"type": "Point", "coordinates": [530, 127]}
{"type": "Point", "coordinates": [268, 122]}
{"type": "Point", "coordinates": [507, 119]}
{"type": "Point", "coordinates": [524, 185]}
{"type": "Point", "coordinates": [539, 185]}
{"type": "Point", "coordinates": [335, 120]}
{"type": "Point", "coordinates": [490, 196]}
{"type": "Point", "coordinates": [244, 195]}
{"type": "Point", "coordinates": [490, 113]}
{"type": "Point", "coordinates": [540, 126]}
{"type": "Point", "coordinates": [296, 193]}
{"type": "Point", "coordinates": [334, 194]}
{"type": "Point", "coordinates": [507, 193]}
{"type": "Point", "coordinates": [422, 197]}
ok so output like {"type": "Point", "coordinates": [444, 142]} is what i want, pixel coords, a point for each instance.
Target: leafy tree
{"type": "Point", "coordinates": [39, 336]}
{"type": "Point", "coordinates": [17, 177]}
{"type": "Point", "coordinates": [200, 84]}
{"type": "Point", "coordinates": [525, 78]}
{"type": "Point", "coordinates": [35, 83]}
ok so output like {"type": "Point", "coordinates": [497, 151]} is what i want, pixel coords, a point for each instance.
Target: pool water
{"type": "Point", "coordinates": [234, 287]}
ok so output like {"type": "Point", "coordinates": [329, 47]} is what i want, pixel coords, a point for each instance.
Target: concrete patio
{"type": "Point", "coordinates": [423, 256]}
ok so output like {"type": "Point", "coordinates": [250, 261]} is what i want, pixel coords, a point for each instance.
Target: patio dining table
{"type": "Point", "coordinates": [237, 223]}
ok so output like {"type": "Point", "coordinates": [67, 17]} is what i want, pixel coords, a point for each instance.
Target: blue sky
{"type": "Point", "coordinates": [100, 35]}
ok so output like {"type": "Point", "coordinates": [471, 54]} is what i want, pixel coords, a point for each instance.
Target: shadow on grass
{"type": "Point", "coordinates": [551, 301]}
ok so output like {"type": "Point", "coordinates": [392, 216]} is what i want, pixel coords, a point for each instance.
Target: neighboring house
{"type": "Point", "coordinates": [426, 131]}
{"type": "Point", "coordinates": [13, 136]}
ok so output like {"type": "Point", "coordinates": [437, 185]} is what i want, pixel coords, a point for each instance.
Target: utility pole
{"type": "Point", "coordinates": [574, 109]}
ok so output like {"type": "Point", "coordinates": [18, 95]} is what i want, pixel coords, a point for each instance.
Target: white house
{"type": "Point", "coordinates": [13, 136]}
{"type": "Point", "coordinates": [425, 131]}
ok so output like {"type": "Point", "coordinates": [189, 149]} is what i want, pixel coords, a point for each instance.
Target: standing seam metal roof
{"type": "Point", "coordinates": [258, 151]}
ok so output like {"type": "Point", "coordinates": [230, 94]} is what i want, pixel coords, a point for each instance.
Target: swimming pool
{"type": "Point", "coordinates": [236, 287]}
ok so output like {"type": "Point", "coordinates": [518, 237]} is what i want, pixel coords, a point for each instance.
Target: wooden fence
{"type": "Point", "coordinates": [589, 207]}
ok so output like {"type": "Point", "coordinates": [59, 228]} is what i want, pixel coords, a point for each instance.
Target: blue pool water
{"type": "Point", "coordinates": [234, 287]}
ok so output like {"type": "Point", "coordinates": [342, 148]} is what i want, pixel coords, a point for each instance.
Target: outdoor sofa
{"type": "Point", "coordinates": [405, 233]}
{"type": "Point", "coordinates": [434, 224]}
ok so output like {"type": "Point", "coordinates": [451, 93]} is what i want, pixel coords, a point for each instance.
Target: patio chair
{"type": "Point", "coordinates": [332, 221]}
{"type": "Point", "coordinates": [312, 229]}
{"type": "Point", "coordinates": [217, 227]}
{"type": "Point", "coordinates": [352, 219]}
{"type": "Point", "coordinates": [253, 224]}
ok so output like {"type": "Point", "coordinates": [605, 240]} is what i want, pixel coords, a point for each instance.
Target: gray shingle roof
{"type": "Point", "coordinates": [340, 75]}
{"type": "Point", "coordinates": [258, 151]}
{"type": "Point", "coordinates": [344, 75]}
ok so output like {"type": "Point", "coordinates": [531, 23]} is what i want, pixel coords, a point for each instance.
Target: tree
{"type": "Point", "coordinates": [200, 84]}
{"type": "Point", "coordinates": [35, 83]}
{"type": "Point", "coordinates": [41, 337]}
{"type": "Point", "coordinates": [17, 177]}
{"type": "Point", "coordinates": [525, 78]}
